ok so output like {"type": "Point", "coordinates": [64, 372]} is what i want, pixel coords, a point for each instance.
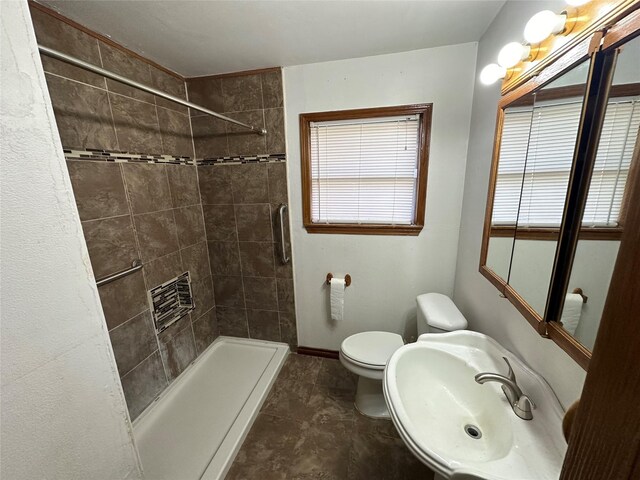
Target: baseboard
{"type": "Point", "coordinates": [318, 352]}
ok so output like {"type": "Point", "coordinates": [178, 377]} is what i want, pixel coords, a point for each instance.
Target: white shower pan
{"type": "Point", "coordinates": [195, 427]}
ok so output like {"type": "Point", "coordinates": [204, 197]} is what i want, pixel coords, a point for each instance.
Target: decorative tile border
{"type": "Point", "coordinates": [277, 157]}
{"type": "Point", "coordinates": [113, 156]}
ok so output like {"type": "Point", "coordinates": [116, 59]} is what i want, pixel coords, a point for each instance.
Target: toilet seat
{"type": "Point", "coordinates": [371, 350]}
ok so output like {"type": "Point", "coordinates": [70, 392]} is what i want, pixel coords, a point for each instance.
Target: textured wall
{"type": "Point", "coordinates": [63, 412]}
{"type": "Point", "coordinates": [388, 272]}
{"type": "Point", "coordinates": [475, 296]}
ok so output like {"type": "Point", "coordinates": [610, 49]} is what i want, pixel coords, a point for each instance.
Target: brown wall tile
{"type": "Point", "coordinates": [228, 291]}
{"type": "Point", "coordinates": [249, 183]}
{"type": "Point", "coordinates": [168, 84]}
{"type": "Point", "coordinates": [163, 269]}
{"type": "Point", "coordinates": [209, 137]}
{"type": "Point", "coordinates": [232, 321]}
{"type": "Point", "coordinates": [98, 189]}
{"type": "Point", "coordinates": [215, 184]}
{"type": "Point", "coordinates": [176, 133]}
{"type": "Point", "coordinates": [133, 341]}
{"type": "Point", "coordinates": [277, 173]}
{"type": "Point", "coordinates": [288, 328]}
{"type": "Point", "coordinates": [190, 225]}
{"type": "Point", "coordinates": [220, 223]}
{"type": "Point", "coordinates": [205, 330]}
{"type": "Point", "coordinates": [257, 259]}
{"type": "Point", "coordinates": [123, 299]}
{"type": "Point", "coordinates": [242, 93]}
{"type": "Point", "coordinates": [177, 347]}
{"type": "Point", "coordinates": [272, 89]}
{"type": "Point", "coordinates": [260, 293]}
{"type": "Point", "coordinates": [183, 182]}
{"type": "Point", "coordinates": [156, 234]}
{"type": "Point", "coordinates": [111, 244]}
{"type": "Point", "coordinates": [224, 258]}
{"type": "Point", "coordinates": [55, 34]}
{"type": "Point", "coordinates": [136, 125]}
{"type": "Point", "coordinates": [82, 114]}
{"type": "Point", "coordinates": [264, 325]}
{"type": "Point", "coordinates": [254, 222]}
{"type": "Point", "coordinates": [243, 141]}
{"type": "Point", "coordinates": [128, 66]}
{"type": "Point", "coordinates": [206, 92]}
{"type": "Point", "coordinates": [285, 295]}
{"type": "Point", "coordinates": [147, 186]}
{"type": "Point", "coordinates": [143, 384]}
{"type": "Point", "coordinates": [195, 259]}
{"type": "Point", "coordinates": [274, 123]}
{"type": "Point", "coordinates": [203, 295]}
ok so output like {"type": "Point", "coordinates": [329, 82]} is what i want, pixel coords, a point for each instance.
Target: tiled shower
{"type": "Point", "coordinates": [149, 189]}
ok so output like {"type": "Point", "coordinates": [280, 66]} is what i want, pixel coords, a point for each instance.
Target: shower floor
{"type": "Point", "coordinates": [197, 425]}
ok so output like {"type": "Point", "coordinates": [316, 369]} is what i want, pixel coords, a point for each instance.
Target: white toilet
{"type": "Point", "coordinates": [367, 353]}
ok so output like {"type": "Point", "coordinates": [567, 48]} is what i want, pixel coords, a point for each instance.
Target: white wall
{"type": "Point", "coordinates": [63, 411]}
{"type": "Point", "coordinates": [388, 272]}
{"type": "Point", "coordinates": [475, 296]}
{"type": "Point", "coordinates": [531, 271]}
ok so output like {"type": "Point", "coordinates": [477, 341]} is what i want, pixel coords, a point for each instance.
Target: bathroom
{"type": "Point", "coordinates": [196, 285]}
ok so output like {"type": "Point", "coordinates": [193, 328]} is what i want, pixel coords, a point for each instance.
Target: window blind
{"type": "Point", "coordinates": [543, 137]}
{"type": "Point", "coordinates": [365, 170]}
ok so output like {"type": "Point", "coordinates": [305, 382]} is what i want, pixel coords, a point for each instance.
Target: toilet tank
{"type": "Point", "coordinates": [438, 314]}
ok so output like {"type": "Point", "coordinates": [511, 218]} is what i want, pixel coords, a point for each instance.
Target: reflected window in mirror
{"type": "Point", "coordinates": [555, 119]}
{"type": "Point", "coordinates": [615, 171]}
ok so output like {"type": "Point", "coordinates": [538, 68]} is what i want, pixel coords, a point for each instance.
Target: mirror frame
{"type": "Point", "coordinates": [600, 46]}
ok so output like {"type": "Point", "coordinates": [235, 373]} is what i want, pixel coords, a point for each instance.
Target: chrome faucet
{"type": "Point", "coordinates": [520, 403]}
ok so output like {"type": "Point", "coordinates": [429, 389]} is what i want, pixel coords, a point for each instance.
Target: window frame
{"type": "Point", "coordinates": [424, 111]}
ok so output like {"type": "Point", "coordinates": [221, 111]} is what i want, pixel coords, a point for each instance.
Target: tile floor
{"type": "Point", "coordinates": [308, 428]}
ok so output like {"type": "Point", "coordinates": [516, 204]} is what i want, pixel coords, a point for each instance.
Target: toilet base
{"type": "Point", "coordinates": [370, 399]}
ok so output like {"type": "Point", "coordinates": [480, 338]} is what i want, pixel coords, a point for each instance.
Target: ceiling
{"type": "Point", "coordinates": [209, 37]}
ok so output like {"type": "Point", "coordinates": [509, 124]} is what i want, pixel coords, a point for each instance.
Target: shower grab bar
{"type": "Point", "coordinates": [135, 266]}
{"type": "Point", "coordinates": [50, 52]}
{"type": "Point", "coordinates": [284, 257]}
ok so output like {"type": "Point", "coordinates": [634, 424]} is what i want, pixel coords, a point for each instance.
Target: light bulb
{"type": "Point", "coordinates": [492, 73]}
{"type": "Point", "coordinates": [513, 53]}
{"type": "Point", "coordinates": [543, 24]}
{"type": "Point", "coordinates": [576, 3]}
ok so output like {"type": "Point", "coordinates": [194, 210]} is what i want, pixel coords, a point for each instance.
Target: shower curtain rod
{"type": "Point", "coordinates": [140, 86]}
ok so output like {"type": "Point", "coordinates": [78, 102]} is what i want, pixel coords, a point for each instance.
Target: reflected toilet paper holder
{"type": "Point", "coordinates": [347, 279]}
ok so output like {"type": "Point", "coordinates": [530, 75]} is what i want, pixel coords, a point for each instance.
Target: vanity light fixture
{"type": "Point", "coordinates": [544, 24]}
{"type": "Point", "coordinates": [576, 3]}
{"type": "Point", "coordinates": [512, 54]}
{"type": "Point", "coordinates": [492, 73]}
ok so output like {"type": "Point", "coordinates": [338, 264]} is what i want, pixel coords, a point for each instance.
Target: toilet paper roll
{"type": "Point", "coordinates": [571, 312]}
{"type": "Point", "coordinates": [337, 299]}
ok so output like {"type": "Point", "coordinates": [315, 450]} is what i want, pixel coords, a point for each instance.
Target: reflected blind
{"type": "Point", "coordinates": [554, 130]}
{"type": "Point", "coordinates": [613, 160]}
{"type": "Point", "coordinates": [543, 137]}
{"type": "Point", "coordinates": [365, 170]}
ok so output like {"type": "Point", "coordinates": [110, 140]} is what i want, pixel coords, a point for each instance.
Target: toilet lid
{"type": "Point", "coordinates": [371, 348]}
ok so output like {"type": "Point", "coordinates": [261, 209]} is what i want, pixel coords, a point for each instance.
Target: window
{"type": "Point", "coordinates": [537, 199]}
{"type": "Point", "coordinates": [365, 171]}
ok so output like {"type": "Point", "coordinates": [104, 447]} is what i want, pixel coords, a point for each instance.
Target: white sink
{"type": "Point", "coordinates": [432, 395]}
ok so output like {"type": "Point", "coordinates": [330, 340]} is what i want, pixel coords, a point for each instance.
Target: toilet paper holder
{"type": "Point", "coordinates": [347, 279]}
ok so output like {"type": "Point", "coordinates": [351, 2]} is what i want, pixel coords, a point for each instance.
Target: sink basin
{"type": "Point", "coordinates": [464, 430]}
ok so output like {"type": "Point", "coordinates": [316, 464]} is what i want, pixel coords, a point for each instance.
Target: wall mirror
{"type": "Point", "coordinates": [615, 170]}
{"type": "Point", "coordinates": [552, 133]}
{"type": "Point", "coordinates": [565, 159]}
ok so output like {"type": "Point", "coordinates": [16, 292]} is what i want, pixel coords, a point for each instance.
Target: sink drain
{"type": "Point", "coordinates": [473, 431]}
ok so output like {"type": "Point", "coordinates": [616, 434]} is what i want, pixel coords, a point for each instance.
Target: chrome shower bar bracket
{"type": "Point", "coordinates": [50, 52]}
